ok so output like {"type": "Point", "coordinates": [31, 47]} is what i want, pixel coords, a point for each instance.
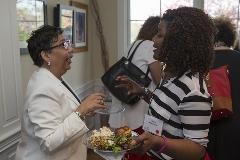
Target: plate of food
{"type": "Point", "coordinates": [108, 141]}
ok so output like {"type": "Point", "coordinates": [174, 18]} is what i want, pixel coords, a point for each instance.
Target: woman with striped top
{"type": "Point", "coordinates": [180, 107]}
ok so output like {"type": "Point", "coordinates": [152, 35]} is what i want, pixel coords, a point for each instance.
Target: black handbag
{"type": "Point", "coordinates": [125, 67]}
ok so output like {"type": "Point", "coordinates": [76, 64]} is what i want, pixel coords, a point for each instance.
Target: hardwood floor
{"type": "Point", "coordinates": [93, 156]}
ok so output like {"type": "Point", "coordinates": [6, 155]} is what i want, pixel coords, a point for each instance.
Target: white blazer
{"type": "Point", "coordinates": [50, 128]}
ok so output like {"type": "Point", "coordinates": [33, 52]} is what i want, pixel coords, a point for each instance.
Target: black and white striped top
{"type": "Point", "coordinates": [184, 105]}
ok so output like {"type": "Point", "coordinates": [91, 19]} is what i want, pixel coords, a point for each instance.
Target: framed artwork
{"type": "Point", "coordinates": [63, 18]}
{"type": "Point", "coordinates": [80, 27]}
{"type": "Point", "coordinates": [80, 33]}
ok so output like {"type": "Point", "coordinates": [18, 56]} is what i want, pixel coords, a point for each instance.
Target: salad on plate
{"type": "Point", "coordinates": [107, 140]}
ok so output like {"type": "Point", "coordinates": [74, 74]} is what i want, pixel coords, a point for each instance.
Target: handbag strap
{"type": "Point", "coordinates": [130, 58]}
{"type": "Point", "coordinates": [131, 48]}
{"type": "Point", "coordinates": [148, 70]}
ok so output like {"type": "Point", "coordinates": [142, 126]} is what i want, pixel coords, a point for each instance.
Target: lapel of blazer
{"type": "Point", "coordinates": [68, 93]}
{"type": "Point", "coordinates": [59, 84]}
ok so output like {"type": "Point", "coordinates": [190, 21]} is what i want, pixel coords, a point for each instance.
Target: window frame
{"type": "Point", "coordinates": [124, 23]}
{"type": "Point", "coordinates": [25, 50]}
{"type": "Point", "coordinates": [195, 3]}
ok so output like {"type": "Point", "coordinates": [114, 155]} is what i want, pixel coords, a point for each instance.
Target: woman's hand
{"type": "Point", "coordinates": [91, 103]}
{"type": "Point", "coordinates": [130, 85]}
{"type": "Point", "coordinates": [181, 149]}
{"type": "Point", "coordinates": [149, 141]}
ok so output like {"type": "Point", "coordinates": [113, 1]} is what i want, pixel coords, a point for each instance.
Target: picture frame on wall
{"type": "Point", "coordinates": [64, 18]}
{"type": "Point", "coordinates": [80, 33]}
{"type": "Point", "coordinates": [80, 28]}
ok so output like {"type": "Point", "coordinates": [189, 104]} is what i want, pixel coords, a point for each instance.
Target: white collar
{"type": "Point", "coordinates": [222, 48]}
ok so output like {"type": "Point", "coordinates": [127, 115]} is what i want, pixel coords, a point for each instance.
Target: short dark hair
{"type": "Point", "coordinates": [41, 40]}
{"type": "Point", "coordinates": [149, 29]}
{"type": "Point", "coordinates": [226, 30]}
{"type": "Point", "coordinates": [189, 41]}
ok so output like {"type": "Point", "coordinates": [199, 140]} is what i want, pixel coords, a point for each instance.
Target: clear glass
{"type": "Point", "coordinates": [142, 9]}
{"type": "Point", "coordinates": [108, 102]}
{"type": "Point", "coordinates": [39, 11]}
{"type": "Point", "coordinates": [66, 23]}
{"type": "Point", "coordinates": [110, 108]}
{"type": "Point", "coordinates": [172, 4]}
{"type": "Point", "coordinates": [227, 8]}
{"type": "Point", "coordinates": [135, 27]}
{"type": "Point", "coordinates": [24, 31]}
{"type": "Point", "coordinates": [30, 16]}
{"type": "Point", "coordinates": [26, 10]}
{"type": "Point", "coordinates": [237, 26]}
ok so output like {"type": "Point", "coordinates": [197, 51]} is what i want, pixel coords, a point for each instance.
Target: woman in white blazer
{"type": "Point", "coordinates": [53, 116]}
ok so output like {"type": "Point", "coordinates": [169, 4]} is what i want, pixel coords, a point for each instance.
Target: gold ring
{"type": "Point", "coordinates": [101, 101]}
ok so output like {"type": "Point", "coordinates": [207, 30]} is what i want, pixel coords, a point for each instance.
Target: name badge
{"type": "Point", "coordinates": [153, 125]}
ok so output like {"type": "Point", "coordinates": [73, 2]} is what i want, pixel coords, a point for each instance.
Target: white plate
{"type": "Point", "coordinates": [86, 139]}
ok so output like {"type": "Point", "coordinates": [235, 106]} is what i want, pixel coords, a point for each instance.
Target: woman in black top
{"type": "Point", "coordinates": [224, 134]}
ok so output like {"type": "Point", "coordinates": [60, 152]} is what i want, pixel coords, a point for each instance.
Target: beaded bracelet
{"type": "Point", "coordinates": [164, 145]}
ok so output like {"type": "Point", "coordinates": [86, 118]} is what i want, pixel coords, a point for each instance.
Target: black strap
{"type": "Point", "coordinates": [130, 58]}
{"type": "Point", "coordinates": [131, 48]}
{"type": "Point", "coordinates": [148, 70]}
{"type": "Point", "coordinates": [65, 84]}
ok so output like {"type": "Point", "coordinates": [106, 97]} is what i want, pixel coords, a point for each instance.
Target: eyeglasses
{"type": "Point", "coordinates": [66, 45]}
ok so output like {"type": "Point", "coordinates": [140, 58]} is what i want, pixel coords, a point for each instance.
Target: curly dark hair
{"type": "Point", "coordinates": [149, 28]}
{"type": "Point", "coordinates": [226, 30]}
{"type": "Point", "coordinates": [42, 40]}
{"type": "Point", "coordinates": [189, 41]}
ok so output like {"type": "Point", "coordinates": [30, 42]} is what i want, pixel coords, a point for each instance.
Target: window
{"type": "Point", "coordinates": [140, 10]}
{"type": "Point", "coordinates": [30, 15]}
{"type": "Point", "coordinates": [229, 8]}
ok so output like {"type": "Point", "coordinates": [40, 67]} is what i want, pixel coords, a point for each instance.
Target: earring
{"type": "Point", "coordinates": [49, 63]}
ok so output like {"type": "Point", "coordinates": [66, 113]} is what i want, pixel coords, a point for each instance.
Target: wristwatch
{"type": "Point", "coordinates": [80, 116]}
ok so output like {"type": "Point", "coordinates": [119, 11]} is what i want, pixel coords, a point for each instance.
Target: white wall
{"type": "Point", "coordinates": [82, 68]}
{"type": "Point", "coordinates": [10, 81]}
{"type": "Point", "coordinates": [108, 13]}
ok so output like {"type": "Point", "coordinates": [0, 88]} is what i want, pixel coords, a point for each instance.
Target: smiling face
{"type": "Point", "coordinates": [158, 40]}
{"type": "Point", "coordinates": [60, 57]}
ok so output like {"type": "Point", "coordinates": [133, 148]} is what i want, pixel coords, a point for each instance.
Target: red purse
{"type": "Point", "coordinates": [218, 85]}
{"type": "Point", "coordinates": [206, 157]}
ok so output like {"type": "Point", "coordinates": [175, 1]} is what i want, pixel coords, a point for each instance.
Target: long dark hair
{"type": "Point", "coordinates": [189, 41]}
